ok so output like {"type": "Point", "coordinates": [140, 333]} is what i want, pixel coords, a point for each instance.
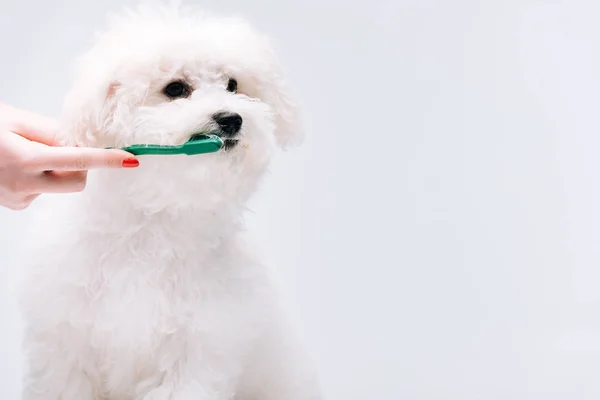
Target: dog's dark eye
{"type": "Point", "coordinates": [232, 85]}
{"type": "Point", "coordinates": [176, 90]}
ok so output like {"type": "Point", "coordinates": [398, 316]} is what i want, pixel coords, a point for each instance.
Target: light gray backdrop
{"type": "Point", "coordinates": [438, 233]}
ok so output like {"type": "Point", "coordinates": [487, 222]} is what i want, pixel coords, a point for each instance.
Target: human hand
{"type": "Point", "coordinates": [33, 162]}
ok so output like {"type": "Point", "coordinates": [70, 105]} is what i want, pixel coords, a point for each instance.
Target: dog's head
{"type": "Point", "coordinates": [163, 74]}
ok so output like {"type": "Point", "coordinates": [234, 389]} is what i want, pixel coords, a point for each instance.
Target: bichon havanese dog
{"type": "Point", "coordinates": [144, 285]}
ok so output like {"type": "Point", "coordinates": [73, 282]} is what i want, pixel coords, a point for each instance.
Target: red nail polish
{"type": "Point", "coordinates": [130, 163]}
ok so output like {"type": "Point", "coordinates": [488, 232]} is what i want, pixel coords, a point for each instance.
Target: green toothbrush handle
{"type": "Point", "coordinates": [208, 144]}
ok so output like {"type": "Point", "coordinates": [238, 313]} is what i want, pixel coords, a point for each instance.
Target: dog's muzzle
{"type": "Point", "coordinates": [229, 124]}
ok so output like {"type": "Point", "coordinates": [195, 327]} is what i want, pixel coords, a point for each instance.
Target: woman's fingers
{"type": "Point", "coordinates": [33, 162]}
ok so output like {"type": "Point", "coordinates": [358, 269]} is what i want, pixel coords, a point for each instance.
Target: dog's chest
{"type": "Point", "coordinates": [133, 308]}
{"type": "Point", "coordinates": [138, 304]}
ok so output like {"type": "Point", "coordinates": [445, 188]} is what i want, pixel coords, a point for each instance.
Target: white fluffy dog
{"type": "Point", "coordinates": [143, 286]}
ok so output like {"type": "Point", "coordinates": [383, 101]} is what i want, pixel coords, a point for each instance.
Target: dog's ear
{"type": "Point", "coordinates": [288, 126]}
{"type": "Point", "coordinates": [91, 111]}
{"type": "Point", "coordinates": [275, 92]}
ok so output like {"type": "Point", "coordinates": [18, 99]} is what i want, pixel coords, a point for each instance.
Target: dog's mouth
{"type": "Point", "coordinates": [228, 143]}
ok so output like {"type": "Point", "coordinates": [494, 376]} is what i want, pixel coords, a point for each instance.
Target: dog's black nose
{"type": "Point", "coordinates": [229, 122]}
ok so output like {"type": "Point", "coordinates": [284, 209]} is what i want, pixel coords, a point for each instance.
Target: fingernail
{"type": "Point", "coordinates": [130, 163]}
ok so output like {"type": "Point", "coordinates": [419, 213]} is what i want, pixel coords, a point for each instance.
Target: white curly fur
{"type": "Point", "coordinates": [144, 286]}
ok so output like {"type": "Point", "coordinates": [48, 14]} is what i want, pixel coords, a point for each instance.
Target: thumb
{"type": "Point", "coordinates": [34, 127]}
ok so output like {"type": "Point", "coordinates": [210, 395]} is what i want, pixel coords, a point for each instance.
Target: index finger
{"type": "Point", "coordinates": [82, 158]}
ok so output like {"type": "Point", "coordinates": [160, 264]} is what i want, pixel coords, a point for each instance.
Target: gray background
{"type": "Point", "coordinates": [438, 231]}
